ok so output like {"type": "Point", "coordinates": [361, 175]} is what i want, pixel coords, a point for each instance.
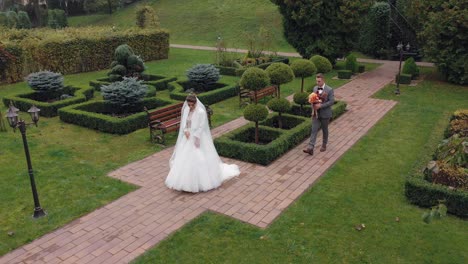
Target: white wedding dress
{"type": "Point", "coordinates": [195, 169]}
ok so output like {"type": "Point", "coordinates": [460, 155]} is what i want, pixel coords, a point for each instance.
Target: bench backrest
{"type": "Point", "coordinates": [166, 113]}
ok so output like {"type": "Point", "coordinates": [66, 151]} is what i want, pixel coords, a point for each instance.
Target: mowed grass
{"type": "Point", "coordinates": [365, 186]}
{"type": "Point", "coordinates": [200, 22]}
{"type": "Point", "coordinates": [71, 162]}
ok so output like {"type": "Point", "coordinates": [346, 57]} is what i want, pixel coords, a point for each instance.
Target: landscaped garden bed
{"type": "Point", "coordinates": [273, 142]}
{"type": "Point", "coordinates": [101, 115]}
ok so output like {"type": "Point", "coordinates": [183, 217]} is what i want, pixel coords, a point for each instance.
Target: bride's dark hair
{"type": "Point", "coordinates": [191, 98]}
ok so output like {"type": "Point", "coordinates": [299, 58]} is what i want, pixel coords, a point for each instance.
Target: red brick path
{"type": "Point", "coordinates": [127, 227]}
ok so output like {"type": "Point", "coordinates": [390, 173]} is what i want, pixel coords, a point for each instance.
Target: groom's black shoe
{"type": "Point", "coordinates": [323, 148]}
{"type": "Point", "coordinates": [309, 151]}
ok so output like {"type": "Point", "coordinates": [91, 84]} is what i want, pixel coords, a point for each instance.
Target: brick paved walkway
{"type": "Point", "coordinates": [127, 227]}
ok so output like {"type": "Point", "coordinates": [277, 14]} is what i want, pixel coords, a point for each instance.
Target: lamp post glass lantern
{"type": "Point", "coordinates": [400, 49]}
{"type": "Point", "coordinates": [13, 121]}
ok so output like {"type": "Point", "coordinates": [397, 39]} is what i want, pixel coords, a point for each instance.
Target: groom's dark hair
{"type": "Point", "coordinates": [320, 75]}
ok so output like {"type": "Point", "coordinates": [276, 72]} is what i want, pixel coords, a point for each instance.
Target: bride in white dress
{"type": "Point", "coordinates": [195, 164]}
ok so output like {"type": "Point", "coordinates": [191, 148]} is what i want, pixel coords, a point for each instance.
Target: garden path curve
{"type": "Point", "coordinates": [127, 227]}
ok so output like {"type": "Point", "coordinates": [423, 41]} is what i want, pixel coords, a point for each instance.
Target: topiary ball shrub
{"type": "Point", "coordinates": [203, 76]}
{"type": "Point", "coordinates": [303, 68]}
{"type": "Point", "coordinates": [254, 79]}
{"type": "Point", "coordinates": [344, 74]}
{"type": "Point", "coordinates": [255, 113]}
{"type": "Point", "coordinates": [301, 98]}
{"type": "Point", "coordinates": [126, 93]}
{"type": "Point", "coordinates": [411, 68]}
{"type": "Point", "coordinates": [323, 64]}
{"type": "Point", "coordinates": [351, 63]}
{"type": "Point", "coordinates": [280, 73]}
{"type": "Point", "coordinates": [279, 105]}
{"type": "Point", "coordinates": [45, 81]}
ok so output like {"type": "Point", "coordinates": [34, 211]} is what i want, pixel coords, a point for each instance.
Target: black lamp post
{"type": "Point", "coordinates": [12, 116]}
{"type": "Point", "coordinates": [400, 49]}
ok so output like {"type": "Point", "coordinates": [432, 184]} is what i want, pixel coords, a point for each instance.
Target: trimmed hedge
{"type": "Point", "coordinates": [74, 50]}
{"type": "Point", "coordinates": [404, 78]}
{"type": "Point", "coordinates": [275, 141]}
{"type": "Point", "coordinates": [339, 107]}
{"type": "Point", "coordinates": [219, 94]}
{"type": "Point", "coordinates": [233, 71]}
{"type": "Point", "coordinates": [426, 194]}
{"type": "Point", "coordinates": [26, 100]}
{"type": "Point", "coordinates": [97, 115]}
{"type": "Point", "coordinates": [344, 74]}
{"type": "Point", "coordinates": [159, 82]}
{"type": "Point", "coordinates": [235, 143]}
{"type": "Point", "coordinates": [361, 68]}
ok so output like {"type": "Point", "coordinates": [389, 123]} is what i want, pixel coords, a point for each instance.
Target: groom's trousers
{"type": "Point", "coordinates": [317, 124]}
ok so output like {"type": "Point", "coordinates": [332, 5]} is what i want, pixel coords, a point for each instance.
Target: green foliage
{"type": "Point", "coordinates": [45, 81]}
{"type": "Point", "coordinates": [301, 98]}
{"type": "Point", "coordinates": [255, 112]}
{"type": "Point", "coordinates": [410, 67]}
{"type": "Point", "coordinates": [344, 74]}
{"type": "Point", "coordinates": [23, 20]}
{"type": "Point", "coordinates": [254, 79]}
{"type": "Point", "coordinates": [98, 115]}
{"type": "Point", "coordinates": [257, 42]}
{"type": "Point", "coordinates": [126, 93]}
{"type": "Point", "coordinates": [404, 78]}
{"type": "Point", "coordinates": [125, 64]}
{"type": "Point", "coordinates": [303, 68]}
{"type": "Point", "coordinates": [203, 76]}
{"type": "Point", "coordinates": [222, 92]}
{"type": "Point", "coordinates": [436, 212]}
{"type": "Point", "coordinates": [3, 127]}
{"type": "Point", "coordinates": [323, 64]}
{"type": "Point", "coordinates": [443, 39]}
{"type": "Point", "coordinates": [3, 19]}
{"type": "Point", "coordinates": [94, 6]}
{"type": "Point", "coordinates": [280, 105]}
{"type": "Point", "coordinates": [351, 63]}
{"type": "Point", "coordinates": [361, 68]}
{"type": "Point", "coordinates": [280, 73]}
{"type": "Point", "coordinates": [12, 19]}
{"type": "Point", "coordinates": [146, 17]}
{"type": "Point", "coordinates": [321, 27]}
{"type": "Point", "coordinates": [449, 174]}
{"type": "Point", "coordinates": [453, 151]}
{"type": "Point", "coordinates": [374, 39]}
{"type": "Point", "coordinates": [58, 50]}
{"type": "Point", "coordinates": [24, 101]}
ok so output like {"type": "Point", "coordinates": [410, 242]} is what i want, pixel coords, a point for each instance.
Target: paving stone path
{"type": "Point", "coordinates": [124, 229]}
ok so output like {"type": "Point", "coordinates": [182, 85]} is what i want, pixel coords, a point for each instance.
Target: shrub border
{"type": "Point", "coordinates": [160, 84]}
{"type": "Point", "coordinates": [426, 194]}
{"type": "Point", "coordinates": [233, 71]}
{"type": "Point", "coordinates": [105, 123]}
{"type": "Point", "coordinates": [49, 109]}
{"type": "Point", "coordinates": [207, 98]}
{"type": "Point", "coordinates": [265, 154]}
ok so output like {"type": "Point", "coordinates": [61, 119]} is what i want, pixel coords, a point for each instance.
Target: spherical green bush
{"type": "Point", "coordinates": [255, 113]}
{"type": "Point", "coordinates": [351, 63]}
{"type": "Point", "coordinates": [119, 70]}
{"type": "Point", "coordinates": [323, 64]}
{"type": "Point", "coordinates": [301, 98]}
{"type": "Point", "coordinates": [280, 73]}
{"type": "Point", "coordinates": [410, 67]}
{"type": "Point", "coordinates": [254, 79]}
{"type": "Point", "coordinates": [279, 105]}
{"type": "Point", "coordinates": [303, 68]}
{"type": "Point", "coordinates": [45, 81]}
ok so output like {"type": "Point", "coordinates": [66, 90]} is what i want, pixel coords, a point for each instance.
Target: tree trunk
{"type": "Point", "coordinates": [109, 4]}
{"type": "Point", "coordinates": [302, 86]}
{"type": "Point", "coordinates": [255, 96]}
{"type": "Point", "coordinates": [278, 91]}
{"type": "Point", "coordinates": [280, 123]}
{"type": "Point", "coordinates": [256, 132]}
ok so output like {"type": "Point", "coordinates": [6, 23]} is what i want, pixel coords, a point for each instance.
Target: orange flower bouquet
{"type": "Point", "coordinates": [314, 99]}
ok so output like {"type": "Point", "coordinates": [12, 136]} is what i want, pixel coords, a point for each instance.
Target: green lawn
{"type": "Point", "coordinates": [200, 22]}
{"type": "Point", "coordinates": [71, 162]}
{"type": "Point", "coordinates": [365, 186]}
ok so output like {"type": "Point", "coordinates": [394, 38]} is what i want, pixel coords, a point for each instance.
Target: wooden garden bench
{"type": "Point", "coordinates": [267, 91]}
{"type": "Point", "coordinates": [167, 119]}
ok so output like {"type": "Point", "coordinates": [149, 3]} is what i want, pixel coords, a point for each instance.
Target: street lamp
{"type": "Point", "coordinates": [12, 116]}
{"type": "Point", "coordinates": [218, 48]}
{"type": "Point", "coordinates": [400, 49]}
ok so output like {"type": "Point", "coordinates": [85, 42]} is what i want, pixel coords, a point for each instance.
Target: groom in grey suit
{"type": "Point", "coordinates": [324, 114]}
